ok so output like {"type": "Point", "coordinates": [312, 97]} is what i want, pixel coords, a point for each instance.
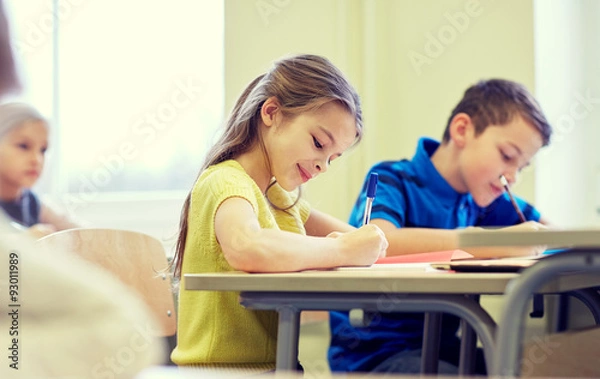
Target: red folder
{"type": "Point", "coordinates": [435, 256]}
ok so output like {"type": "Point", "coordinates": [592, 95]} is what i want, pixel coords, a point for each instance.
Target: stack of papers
{"type": "Point", "coordinates": [413, 262]}
{"type": "Point", "coordinates": [453, 260]}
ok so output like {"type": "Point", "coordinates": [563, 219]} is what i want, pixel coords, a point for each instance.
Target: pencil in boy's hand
{"type": "Point", "coordinates": [371, 190]}
{"type": "Point", "coordinates": [512, 199]}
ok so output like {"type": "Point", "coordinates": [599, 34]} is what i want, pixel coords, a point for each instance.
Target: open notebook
{"type": "Point", "coordinates": [412, 262]}
{"type": "Point", "coordinates": [454, 260]}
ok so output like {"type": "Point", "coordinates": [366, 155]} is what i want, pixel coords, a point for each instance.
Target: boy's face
{"type": "Point", "coordinates": [22, 154]}
{"type": "Point", "coordinates": [499, 150]}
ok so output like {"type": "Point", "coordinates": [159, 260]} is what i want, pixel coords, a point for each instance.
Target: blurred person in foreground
{"type": "Point", "coordinates": [61, 316]}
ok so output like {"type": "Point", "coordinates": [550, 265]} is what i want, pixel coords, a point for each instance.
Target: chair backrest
{"type": "Point", "coordinates": [137, 259]}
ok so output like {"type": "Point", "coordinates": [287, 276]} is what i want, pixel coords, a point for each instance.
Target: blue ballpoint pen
{"type": "Point", "coordinates": [358, 317]}
{"type": "Point", "coordinates": [371, 190]}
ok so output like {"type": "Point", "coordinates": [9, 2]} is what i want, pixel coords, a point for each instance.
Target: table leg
{"type": "Point", "coordinates": [468, 345]}
{"type": "Point", "coordinates": [562, 312]}
{"type": "Point", "coordinates": [591, 299]}
{"type": "Point", "coordinates": [431, 342]}
{"type": "Point", "coordinates": [289, 304]}
{"type": "Point", "coordinates": [519, 291]}
{"type": "Point", "coordinates": [287, 337]}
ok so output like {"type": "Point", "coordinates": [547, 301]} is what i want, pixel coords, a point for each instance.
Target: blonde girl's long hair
{"type": "Point", "coordinates": [300, 83]}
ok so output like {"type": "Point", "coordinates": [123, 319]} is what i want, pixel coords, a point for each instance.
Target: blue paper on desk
{"type": "Point", "coordinates": [555, 251]}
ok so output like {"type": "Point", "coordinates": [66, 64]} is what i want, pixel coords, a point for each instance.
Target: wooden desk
{"type": "Point", "coordinates": [377, 289]}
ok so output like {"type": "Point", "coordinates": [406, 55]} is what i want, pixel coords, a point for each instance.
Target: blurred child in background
{"type": "Point", "coordinates": [23, 143]}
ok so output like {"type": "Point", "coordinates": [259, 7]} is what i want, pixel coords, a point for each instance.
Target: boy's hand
{"type": "Point", "coordinates": [512, 251]}
{"type": "Point", "coordinates": [527, 250]}
{"type": "Point", "coordinates": [529, 225]}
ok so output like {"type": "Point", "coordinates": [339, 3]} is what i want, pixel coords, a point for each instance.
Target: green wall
{"type": "Point", "coordinates": [410, 61]}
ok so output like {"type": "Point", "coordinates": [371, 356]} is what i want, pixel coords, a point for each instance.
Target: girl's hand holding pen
{"type": "Point", "coordinates": [361, 247]}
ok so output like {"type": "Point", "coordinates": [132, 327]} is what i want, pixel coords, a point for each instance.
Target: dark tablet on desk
{"type": "Point", "coordinates": [503, 264]}
{"type": "Point", "coordinates": [485, 265]}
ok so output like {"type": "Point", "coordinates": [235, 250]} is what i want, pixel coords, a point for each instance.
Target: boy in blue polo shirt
{"type": "Point", "coordinates": [495, 130]}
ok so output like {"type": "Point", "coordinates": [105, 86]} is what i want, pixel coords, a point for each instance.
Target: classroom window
{"type": "Point", "coordinates": [134, 90]}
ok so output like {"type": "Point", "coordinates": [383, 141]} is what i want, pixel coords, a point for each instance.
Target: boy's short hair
{"type": "Point", "coordinates": [496, 102]}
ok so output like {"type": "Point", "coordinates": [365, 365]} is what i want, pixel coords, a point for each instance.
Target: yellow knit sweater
{"type": "Point", "coordinates": [213, 328]}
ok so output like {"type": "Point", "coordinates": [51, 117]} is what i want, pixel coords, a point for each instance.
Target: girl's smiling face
{"type": "Point", "coordinates": [301, 147]}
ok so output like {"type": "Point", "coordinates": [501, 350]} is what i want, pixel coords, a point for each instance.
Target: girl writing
{"type": "Point", "coordinates": [245, 211]}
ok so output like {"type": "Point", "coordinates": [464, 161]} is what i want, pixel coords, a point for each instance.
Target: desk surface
{"type": "Point", "coordinates": [412, 280]}
{"type": "Point", "coordinates": [370, 280]}
{"type": "Point", "coordinates": [580, 238]}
